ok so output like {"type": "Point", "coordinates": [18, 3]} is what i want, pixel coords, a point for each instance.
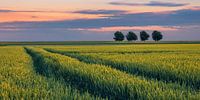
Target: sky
{"type": "Point", "coordinates": [97, 20]}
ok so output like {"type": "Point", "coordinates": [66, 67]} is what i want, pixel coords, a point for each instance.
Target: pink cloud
{"type": "Point", "coordinates": [127, 28]}
{"type": "Point", "coordinates": [195, 8]}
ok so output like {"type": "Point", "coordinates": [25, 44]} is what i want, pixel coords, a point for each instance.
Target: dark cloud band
{"type": "Point", "coordinates": [152, 3]}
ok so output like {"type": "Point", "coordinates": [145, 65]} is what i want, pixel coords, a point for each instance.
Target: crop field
{"type": "Point", "coordinates": [113, 72]}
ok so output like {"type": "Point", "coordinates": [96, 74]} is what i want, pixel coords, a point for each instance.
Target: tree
{"type": "Point", "coordinates": [131, 36]}
{"type": "Point", "coordinates": [157, 36]}
{"type": "Point", "coordinates": [144, 36]}
{"type": "Point", "coordinates": [118, 36]}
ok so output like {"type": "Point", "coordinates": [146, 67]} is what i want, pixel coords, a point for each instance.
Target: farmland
{"type": "Point", "coordinates": [121, 71]}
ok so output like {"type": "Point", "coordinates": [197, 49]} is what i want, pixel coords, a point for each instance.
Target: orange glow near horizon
{"type": "Point", "coordinates": [44, 16]}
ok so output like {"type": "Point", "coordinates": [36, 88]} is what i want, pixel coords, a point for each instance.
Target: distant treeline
{"type": "Point", "coordinates": [131, 36]}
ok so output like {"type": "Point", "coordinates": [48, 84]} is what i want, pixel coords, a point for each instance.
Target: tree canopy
{"type": "Point", "coordinates": [157, 36]}
{"type": "Point", "coordinates": [118, 36]}
{"type": "Point", "coordinates": [144, 36]}
{"type": "Point", "coordinates": [131, 36]}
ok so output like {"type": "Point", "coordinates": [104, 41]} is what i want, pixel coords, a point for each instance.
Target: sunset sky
{"type": "Point", "coordinates": [64, 20]}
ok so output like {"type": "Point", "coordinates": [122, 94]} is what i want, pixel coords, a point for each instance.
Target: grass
{"type": "Point", "coordinates": [93, 43]}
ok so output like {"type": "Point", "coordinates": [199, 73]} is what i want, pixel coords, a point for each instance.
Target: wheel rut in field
{"type": "Point", "coordinates": [134, 70]}
{"type": "Point", "coordinates": [52, 73]}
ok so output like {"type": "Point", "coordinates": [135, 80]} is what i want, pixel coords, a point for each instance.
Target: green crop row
{"type": "Point", "coordinates": [156, 48]}
{"type": "Point", "coordinates": [19, 80]}
{"type": "Point", "coordinates": [183, 68]}
{"type": "Point", "coordinates": [108, 82]}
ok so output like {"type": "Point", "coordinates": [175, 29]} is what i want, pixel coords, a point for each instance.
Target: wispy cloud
{"type": "Point", "coordinates": [8, 11]}
{"type": "Point", "coordinates": [151, 3]}
{"type": "Point", "coordinates": [100, 11]}
{"type": "Point", "coordinates": [1, 10]}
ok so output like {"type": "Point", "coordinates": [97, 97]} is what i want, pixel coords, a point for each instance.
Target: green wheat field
{"type": "Point", "coordinates": [95, 72]}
